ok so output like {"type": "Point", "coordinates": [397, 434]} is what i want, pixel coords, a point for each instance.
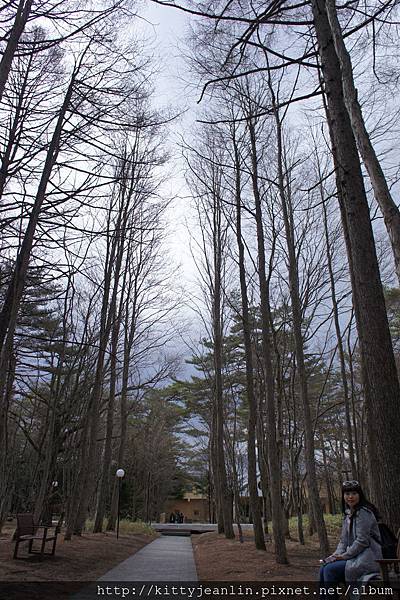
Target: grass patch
{"type": "Point", "coordinates": [125, 527]}
{"type": "Point", "coordinates": [333, 525]}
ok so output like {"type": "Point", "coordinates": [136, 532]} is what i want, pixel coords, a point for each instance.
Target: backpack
{"type": "Point", "coordinates": [388, 541]}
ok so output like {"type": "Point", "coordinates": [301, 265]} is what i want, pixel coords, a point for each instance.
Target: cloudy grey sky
{"type": "Point", "coordinates": [165, 30]}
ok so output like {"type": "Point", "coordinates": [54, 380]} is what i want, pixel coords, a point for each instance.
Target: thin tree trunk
{"type": "Point", "coordinates": [251, 400]}
{"type": "Point", "coordinates": [263, 460]}
{"type": "Point", "coordinates": [214, 469]}
{"type": "Point", "coordinates": [273, 453]}
{"type": "Point", "coordinates": [224, 498]}
{"type": "Point", "coordinates": [299, 342]}
{"type": "Point", "coordinates": [105, 473]}
{"type": "Point", "coordinates": [340, 344]}
{"type": "Point", "coordinates": [236, 492]}
{"type": "Point", "coordinates": [132, 295]}
{"type": "Point", "coordinates": [353, 396]}
{"type": "Point", "coordinates": [85, 480]}
{"type": "Point", "coordinates": [48, 460]}
{"type": "Point", "coordinates": [6, 389]}
{"type": "Point", "coordinates": [123, 425]}
{"type": "Point", "coordinates": [16, 286]}
{"type": "Point", "coordinates": [331, 503]}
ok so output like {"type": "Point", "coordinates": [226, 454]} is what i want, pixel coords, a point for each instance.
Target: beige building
{"type": "Point", "coordinates": [196, 509]}
{"type": "Point", "coordinates": [192, 505]}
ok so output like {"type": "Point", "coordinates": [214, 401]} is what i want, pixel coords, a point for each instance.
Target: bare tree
{"type": "Point", "coordinates": [208, 190]}
{"type": "Point", "coordinates": [383, 196]}
{"type": "Point", "coordinates": [380, 378]}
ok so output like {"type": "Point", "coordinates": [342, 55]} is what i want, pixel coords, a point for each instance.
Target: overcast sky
{"type": "Point", "coordinates": [165, 30]}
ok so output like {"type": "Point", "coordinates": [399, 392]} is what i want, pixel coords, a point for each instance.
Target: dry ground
{"type": "Point", "coordinates": [82, 559]}
{"type": "Point", "coordinates": [219, 559]}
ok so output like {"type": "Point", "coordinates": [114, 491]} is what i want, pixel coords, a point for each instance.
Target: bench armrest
{"type": "Point", "coordinates": [387, 561]}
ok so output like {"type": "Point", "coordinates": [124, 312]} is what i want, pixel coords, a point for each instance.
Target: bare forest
{"type": "Point", "coordinates": [273, 376]}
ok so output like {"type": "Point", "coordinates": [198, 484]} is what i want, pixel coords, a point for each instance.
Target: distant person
{"type": "Point", "coordinates": [181, 517]}
{"type": "Point", "coordinates": [172, 518]}
{"type": "Point", "coordinates": [177, 516]}
{"type": "Point", "coordinates": [359, 546]}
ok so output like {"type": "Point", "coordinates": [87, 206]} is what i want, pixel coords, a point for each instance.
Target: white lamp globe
{"type": "Point", "coordinates": [120, 473]}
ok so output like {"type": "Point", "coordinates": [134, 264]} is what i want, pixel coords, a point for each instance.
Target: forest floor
{"type": "Point", "coordinates": [83, 558]}
{"type": "Point", "coordinates": [88, 557]}
{"type": "Point", "coordinates": [219, 559]}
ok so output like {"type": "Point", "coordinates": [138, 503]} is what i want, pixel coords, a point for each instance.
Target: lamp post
{"type": "Point", "coordinates": [120, 474]}
{"type": "Point", "coordinates": [49, 504]}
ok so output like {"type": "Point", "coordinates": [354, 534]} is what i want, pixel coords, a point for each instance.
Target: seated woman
{"type": "Point", "coordinates": [359, 546]}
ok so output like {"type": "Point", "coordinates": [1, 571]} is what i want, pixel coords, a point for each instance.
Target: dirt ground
{"type": "Point", "coordinates": [82, 559]}
{"type": "Point", "coordinates": [219, 559]}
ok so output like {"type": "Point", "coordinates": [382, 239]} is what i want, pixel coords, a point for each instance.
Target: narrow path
{"type": "Point", "coordinates": [168, 558]}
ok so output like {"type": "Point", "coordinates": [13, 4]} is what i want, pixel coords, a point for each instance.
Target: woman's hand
{"type": "Point", "coordinates": [333, 558]}
{"type": "Point", "coordinates": [330, 559]}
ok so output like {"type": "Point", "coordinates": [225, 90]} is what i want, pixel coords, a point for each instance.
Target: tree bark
{"type": "Point", "coordinates": [224, 496]}
{"type": "Point", "coordinates": [389, 209]}
{"type": "Point", "coordinates": [251, 400]}
{"type": "Point", "coordinates": [339, 339]}
{"type": "Point", "coordinates": [128, 343]}
{"type": "Point", "coordinates": [298, 338]}
{"type": "Point", "coordinates": [16, 286]}
{"type": "Point", "coordinates": [21, 17]}
{"type": "Point", "coordinates": [106, 463]}
{"type": "Point", "coordinates": [273, 455]}
{"type": "Point", "coordinates": [380, 380]}
{"type": "Point", "coordinates": [85, 480]}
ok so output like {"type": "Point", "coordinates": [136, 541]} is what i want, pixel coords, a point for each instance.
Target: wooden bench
{"type": "Point", "coordinates": [390, 569]}
{"type": "Point", "coordinates": [27, 531]}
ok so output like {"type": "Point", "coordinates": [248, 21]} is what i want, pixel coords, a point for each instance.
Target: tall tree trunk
{"type": "Point", "coordinates": [105, 470]}
{"type": "Point", "coordinates": [132, 276]}
{"type": "Point", "coordinates": [51, 448]}
{"type": "Point", "coordinates": [13, 141]}
{"type": "Point", "coordinates": [273, 453]}
{"type": "Point", "coordinates": [339, 339]}
{"type": "Point", "coordinates": [214, 469]}
{"type": "Point", "coordinates": [262, 450]}
{"type": "Point", "coordinates": [298, 337]}
{"type": "Point", "coordinates": [350, 351]}
{"type": "Point", "coordinates": [224, 495]}
{"type": "Point", "coordinates": [123, 424]}
{"type": "Point", "coordinates": [47, 462]}
{"type": "Point", "coordinates": [21, 17]}
{"type": "Point", "coordinates": [295, 452]}
{"type": "Point", "coordinates": [331, 501]}
{"type": "Point", "coordinates": [13, 295]}
{"type": "Point", "coordinates": [381, 385]}
{"type": "Point", "coordinates": [6, 390]}
{"type": "Point", "coordinates": [388, 207]}
{"type": "Point", "coordinates": [86, 476]}
{"type": "Point", "coordinates": [235, 483]}
{"type": "Point", "coordinates": [79, 480]}
{"type": "Point", "coordinates": [251, 400]}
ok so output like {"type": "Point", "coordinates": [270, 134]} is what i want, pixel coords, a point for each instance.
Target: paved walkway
{"type": "Point", "coordinates": [168, 558]}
